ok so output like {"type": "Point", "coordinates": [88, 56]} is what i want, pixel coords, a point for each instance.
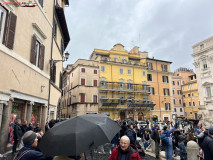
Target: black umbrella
{"type": "Point", "coordinates": [78, 134]}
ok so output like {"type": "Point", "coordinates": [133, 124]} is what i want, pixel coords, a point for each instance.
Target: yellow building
{"type": "Point", "coordinates": [191, 98]}
{"type": "Point", "coordinates": [159, 78]}
{"type": "Point", "coordinates": [123, 89]}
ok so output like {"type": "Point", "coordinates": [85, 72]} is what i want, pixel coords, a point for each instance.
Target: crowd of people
{"type": "Point", "coordinates": [171, 138]}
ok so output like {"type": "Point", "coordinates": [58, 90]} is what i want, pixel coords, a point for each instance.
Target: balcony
{"type": "Point", "coordinates": [124, 87]}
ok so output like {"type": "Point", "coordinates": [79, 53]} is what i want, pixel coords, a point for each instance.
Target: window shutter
{"type": "Point", "coordinates": [166, 68]}
{"type": "Point", "coordinates": [33, 51]}
{"type": "Point", "coordinates": [82, 81]}
{"type": "Point", "coordinates": [168, 92]}
{"type": "Point", "coordinates": [95, 83]}
{"type": "Point", "coordinates": [151, 66]}
{"type": "Point", "coordinates": [41, 57]}
{"type": "Point", "coordinates": [153, 90]}
{"type": "Point", "coordinates": [61, 81]}
{"type": "Point", "coordinates": [54, 72]}
{"type": "Point", "coordinates": [161, 67]}
{"type": "Point", "coordinates": [164, 91]}
{"type": "Point", "coordinates": [10, 33]}
{"type": "Point", "coordinates": [163, 78]}
{"type": "Point", "coordinates": [41, 2]}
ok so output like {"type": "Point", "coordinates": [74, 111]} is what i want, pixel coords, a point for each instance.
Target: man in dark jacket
{"type": "Point", "coordinates": [123, 129]}
{"type": "Point", "coordinates": [156, 137]}
{"type": "Point", "coordinates": [24, 127]}
{"type": "Point", "coordinates": [207, 145]}
{"type": "Point", "coordinates": [29, 151]}
{"type": "Point", "coordinates": [131, 134]}
{"type": "Point", "coordinates": [125, 151]}
{"type": "Point", "coordinates": [17, 132]}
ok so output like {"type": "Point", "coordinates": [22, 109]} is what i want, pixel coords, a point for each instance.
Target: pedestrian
{"type": "Point", "coordinates": [146, 139]}
{"type": "Point", "coordinates": [167, 142]}
{"type": "Point", "coordinates": [30, 128]}
{"type": "Point", "coordinates": [30, 151]}
{"type": "Point", "coordinates": [17, 135]}
{"type": "Point", "coordinates": [156, 137]}
{"type": "Point", "coordinates": [46, 127]}
{"type": "Point", "coordinates": [115, 141]}
{"type": "Point", "coordinates": [181, 145]}
{"type": "Point", "coordinates": [131, 134]}
{"type": "Point", "coordinates": [123, 129]}
{"type": "Point", "coordinates": [24, 127]}
{"type": "Point", "coordinates": [207, 145]}
{"type": "Point", "coordinates": [37, 127]}
{"type": "Point", "coordinates": [125, 151]}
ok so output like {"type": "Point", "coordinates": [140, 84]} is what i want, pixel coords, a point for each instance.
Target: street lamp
{"type": "Point", "coordinates": [65, 58]}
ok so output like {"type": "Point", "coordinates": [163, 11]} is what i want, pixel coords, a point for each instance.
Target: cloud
{"type": "Point", "coordinates": [166, 29]}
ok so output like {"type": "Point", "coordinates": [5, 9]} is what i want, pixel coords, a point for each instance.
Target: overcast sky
{"type": "Point", "coordinates": [166, 29]}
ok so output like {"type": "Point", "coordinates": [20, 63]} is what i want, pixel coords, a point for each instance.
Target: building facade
{"type": "Point", "coordinates": [29, 43]}
{"type": "Point", "coordinates": [80, 91]}
{"type": "Point", "coordinates": [191, 98]}
{"type": "Point", "coordinates": [203, 58]}
{"type": "Point", "coordinates": [159, 78]}
{"type": "Point", "coordinates": [123, 89]}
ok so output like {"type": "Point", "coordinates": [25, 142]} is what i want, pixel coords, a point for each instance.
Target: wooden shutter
{"type": "Point", "coordinates": [54, 72]}
{"type": "Point", "coordinates": [82, 81]}
{"type": "Point", "coordinates": [95, 71]}
{"type": "Point", "coordinates": [166, 68]}
{"type": "Point", "coordinates": [95, 83]}
{"type": "Point", "coordinates": [61, 81]}
{"type": "Point", "coordinates": [41, 57]}
{"type": "Point", "coordinates": [33, 50]}
{"type": "Point", "coordinates": [82, 98]}
{"type": "Point", "coordinates": [10, 31]}
{"type": "Point", "coordinates": [153, 90]}
{"type": "Point", "coordinates": [151, 66]}
{"type": "Point", "coordinates": [164, 91]}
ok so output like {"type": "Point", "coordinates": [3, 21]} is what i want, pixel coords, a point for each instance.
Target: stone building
{"type": "Point", "coordinates": [203, 62]}
{"type": "Point", "coordinates": [32, 43]}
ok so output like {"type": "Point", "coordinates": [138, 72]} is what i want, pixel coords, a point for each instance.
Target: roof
{"type": "Point", "coordinates": [152, 59]}
{"type": "Point", "coordinates": [63, 24]}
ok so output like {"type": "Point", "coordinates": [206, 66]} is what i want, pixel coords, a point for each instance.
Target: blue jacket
{"type": "Point", "coordinates": [33, 154]}
{"type": "Point", "coordinates": [207, 147]}
{"type": "Point", "coordinates": [168, 132]}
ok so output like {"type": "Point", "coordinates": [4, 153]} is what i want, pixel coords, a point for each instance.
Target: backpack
{"type": "Point", "coordinates": [164, 139]}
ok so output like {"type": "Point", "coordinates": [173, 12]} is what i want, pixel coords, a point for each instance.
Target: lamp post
{"type": "Point", "coordinates": [52, 63]}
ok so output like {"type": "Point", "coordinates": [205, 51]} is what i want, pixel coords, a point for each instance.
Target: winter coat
{"type": "Point", "coordinates": [132, 135]}
{"type": "Point", "coordinates": [182, 138]}
{"type": "Point", "coordinates": [134, 153]}
{"type": "Point", "coordinates": [207, 147]}
{"type": "Point", "coordinates": [123, 130]}
{"type": "Point", "coordinates": [156, 135]}
{"type": "Point", "coordinates": [33, 154]}
{"type": "Point", "coordinates": [17, 132]}
{"type": "Point", "coordinates": [116, 138]}
{"type": "Point", "coordinates": [24, 129]}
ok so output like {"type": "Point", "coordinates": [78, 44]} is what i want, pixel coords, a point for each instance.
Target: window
{"type": "Point", "coordinates": [123, 60]}
{"type": "Point", "coordinates": [121, 85]}
{"type": "Point", "coordinates": [95, 71]}
{"type": "Point", "coordinates": [130, 62]}
{"type": "Point", "coordinates": [167, 106]}
{"type": "Point", "coordinates": [166, 91]}
{"type": "Point", "coordinates": [152, 90]}
{"type": "Point", "coordinates": [184, 104]}
{"type": "Point", "coordinates": [173, 83]}
{"type": "Point", "coordinates": [173, 91]}
{"type": "Point", "coordinates": [174, 101]}
{"type": "Point", "coordinates": [181, 110]}
{"type": "Point", "coordinates": [149, 66]}
{"type": "Point", "coordinates": [95, 99]}
{"type": "Point", "coordinates": [144, 73]}
{"type": "Point", "coordinates": [144, 87]}
{"type": "Point", "coordinates": [189, 95]}
{"type": "Point", "coordinates": [3, 14]}
{"type": "Point", "coordinates": [184, 96]}
{"type": "Point", "coordinates": [164, 67]}
{"type": "Point", "coordinates": [179, 92]}
{"type": "Point", "coordinates": [175, 110]}
{"type": "Point", "coordinates": [204, 64]}
{"type": "Point", "coordinates": [82, 98]}
{"type": "Point", "coordinates": [103, 83]}
{"type": "Point", "coordinates": [82, 81]}
{"type": "Point", "coordinates": [183, 88]}
{"type": "Point", "coordinates": [115, 59]}
{"type": "Point", "coordinates": [54, 28]}
{"type": "Point", "coordinates": [122, 100]}
{"type": "Point", "coordinates": [190, 112]}
{"type": "Point", "coordinates": [37, 53]}
{"type": "Point", "coordinates": [121, 71]}
{"type": "Point", "coordinates": [191, 86]}
{"type": "Point", "coordinates": [178, 83]}
{"type": "Point", "coordinates": [149, 77]}
{"type": "Point", "coordinates": [190, 103]}
{"type": "Point", "coordinates": [201, 46]}
{"type": "Point", "coordinates": [193, 103]}
{"type": "Point", "coordinates": [102, 68]}
{"type": "Point", "coordinates": [165, 79]}
{"type": "Point", "coordinates": [180, 101]}
{"type": "Point", "coordinates": [82, 70]}
{"type": "Point", "coordinates": [129, 86]}
{"type": "Point", "coordinates": [208, 92]}
{"type": "Point", "coordinates": [95, 83]}
{"type": "Point", "coordinates": [188, 86]}
{"type": "Point", "coordinates": [129, 71]}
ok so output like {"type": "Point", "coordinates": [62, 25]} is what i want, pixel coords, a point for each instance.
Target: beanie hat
{"type": "Point", "coordinates": [211, 130]}
{"type": "Point", "coordinates": [29, 138]}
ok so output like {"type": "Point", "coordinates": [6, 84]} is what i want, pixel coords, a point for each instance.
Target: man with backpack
{"type": "Point", "coordinates": [166, 140]}
{"type": "Point", "coordinates": [156, 137]}
{"type": "Point", "coordinates": [131, 134]}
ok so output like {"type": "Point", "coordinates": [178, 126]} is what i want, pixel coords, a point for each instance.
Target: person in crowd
{"type": "Point", "coordinates": [30, 151]}
{"type": "Point", "coordinates": [51, 123]}
{"type": "Point", "coordinates": [24, 127]}
{"type": "Point", "coordinates": [131, 134]}
{"type": "Point", "coordinates": [30, 128]}
{"type": "Point", "coordinates": [39, 134]}
{"type": "Point", "coordinates": [181, 145]}
{"type": "Point", "coordinates": [46, 127]}
{"type": "Point", "coordinates": [17, 135]}
{"type": "Point", "coordinates": [115, 141]}
{"type": "Point", "coordinates": [156, 137]}
{"type": "Point", "coordinates": [169, 146]}
{"type": "Point", "coordinates": [37, 127]}
{"type": "Point", "coordinates": [123, 129]}
{"type": "Point", "coordinates": [207, 145]}
{"type": "Point", "coordinates": [125, 151]}
{"type": "Point", "coordinates": [146, 139]}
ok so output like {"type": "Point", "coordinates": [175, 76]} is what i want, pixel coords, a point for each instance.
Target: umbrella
{"type": "Point", "coordinates": [77, 135]}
